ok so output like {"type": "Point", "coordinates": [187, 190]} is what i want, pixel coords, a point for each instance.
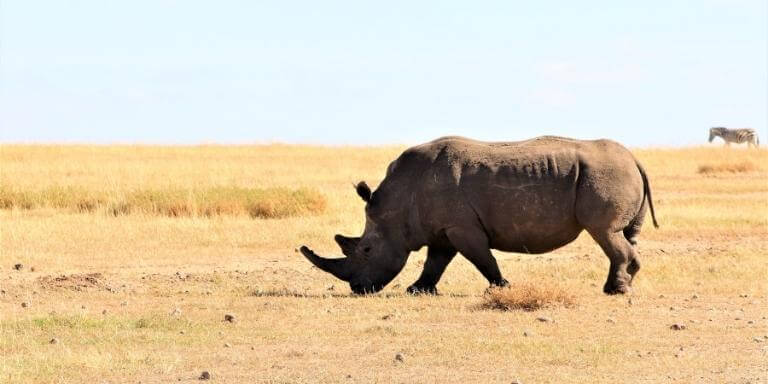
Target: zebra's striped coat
{"type": "Point", "coordinates": [738, 136]}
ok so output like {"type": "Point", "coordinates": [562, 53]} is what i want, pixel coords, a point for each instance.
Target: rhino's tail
{"type": "Point", "coordinates": [647, 191]}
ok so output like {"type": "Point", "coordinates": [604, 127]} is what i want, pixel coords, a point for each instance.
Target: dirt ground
{"type": "Point", "coordinates": [143, 298]}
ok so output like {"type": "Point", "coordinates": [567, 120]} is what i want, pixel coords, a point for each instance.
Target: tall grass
{"type": "Point", "coordinates": [173, 202]}
{"type": "Point", "coordinates": [739, 167]}
{"type": "Point", "coordinates": [527, 296]}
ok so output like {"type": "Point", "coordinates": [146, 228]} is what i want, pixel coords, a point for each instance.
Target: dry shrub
{"type": "Point", "coordinates": [744, 166]}
{"type": "Point", "coordinates": [215, 201]}
{"type": "Point", "coordinates": [527, 297]}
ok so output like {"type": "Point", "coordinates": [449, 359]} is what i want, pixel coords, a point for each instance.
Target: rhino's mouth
{"type": "Point", "coordinates": [365, 289]}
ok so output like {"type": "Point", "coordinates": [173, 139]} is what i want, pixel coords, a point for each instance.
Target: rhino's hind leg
{"type": "Point", "coordinates": [438, 259]}
{"type": "Point", "coordinates": [630, 233]}
{"type": "Point", "coordinates": [633, 267]}
{"type": "Point", "coordinates": [621, 255]}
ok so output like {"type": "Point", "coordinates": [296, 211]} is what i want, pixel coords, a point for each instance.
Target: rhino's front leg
{"type": "Point", "coordinates": [473, 243]}
{"type": "Point", "coordinates": [437, 260]}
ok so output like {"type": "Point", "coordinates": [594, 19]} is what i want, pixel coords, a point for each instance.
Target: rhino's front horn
{"type": "Point", "coordinates": [336, 267]}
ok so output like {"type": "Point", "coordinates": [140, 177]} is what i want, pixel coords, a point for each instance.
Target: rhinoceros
{"type": "Point", "coordinates": [455, 194]}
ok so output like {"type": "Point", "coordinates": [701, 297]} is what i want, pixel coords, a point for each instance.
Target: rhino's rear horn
{"type": "Point", "coordinates": [347, 244]}
{"type": "Point", "coordinates": [336, 267]}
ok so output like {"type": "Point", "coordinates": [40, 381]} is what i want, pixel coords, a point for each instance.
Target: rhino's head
{"type": "Point", "coordinates": [373, 259]}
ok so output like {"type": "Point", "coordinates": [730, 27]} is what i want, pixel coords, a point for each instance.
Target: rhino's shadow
{"type": "Point", "coordinates": [306, 295]}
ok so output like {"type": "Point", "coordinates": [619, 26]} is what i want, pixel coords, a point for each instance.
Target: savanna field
{"type": "Point", "coordinates": [128, 264]}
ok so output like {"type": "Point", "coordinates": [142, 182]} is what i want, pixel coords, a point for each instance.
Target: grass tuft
{"type": "Point", "coordinates": [527, 297]}
{"type": "Point", "coordinates": [740, 167]}
{"type": "Point", "coordinates": [215, 201]}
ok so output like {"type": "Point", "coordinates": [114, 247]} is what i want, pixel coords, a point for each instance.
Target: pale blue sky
{"type": "Point", "coordinates": [364, 72]}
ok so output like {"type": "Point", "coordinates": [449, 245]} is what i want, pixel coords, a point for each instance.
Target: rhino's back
{"type": "Point", "coordinates": [545, 160]}
{"type": "Point", "coordinates": [470, 150]}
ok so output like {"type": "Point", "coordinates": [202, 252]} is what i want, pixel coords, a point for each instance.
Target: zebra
{"type": "Point", "coordinates": [738, 136]}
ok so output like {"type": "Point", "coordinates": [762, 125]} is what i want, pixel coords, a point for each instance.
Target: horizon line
{"type": "Point", "coordinates": [304, 144]}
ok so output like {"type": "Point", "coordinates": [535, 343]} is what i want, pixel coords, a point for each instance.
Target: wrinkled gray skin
{"type": "Point", "coordinates": [460, 195]}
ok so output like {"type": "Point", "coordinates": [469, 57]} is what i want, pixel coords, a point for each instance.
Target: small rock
{"type": "Point", "coordinates": [399, 358]}
{"type": "Point", "coordinates": [743, 295]}
{"type": "Point", "coordinates": [181, 332]}
{"type": "Point", "coordinates": [750, 322]}
{"type": "Point", "coordinates": [24, 304]}
{"type": "Point", "coordinates": [527, 333]}
{"type": "Point", "coordinates": [671, 308]}
{"type": "Point", "coordinates": [54, 341]}
{"type": "Point", "coordinates": [227, 345]}
{"type": "Point", "coordinates": [661, 296]}
{"type": "Point", "coordinates": [757, 340]}
{"type": "Point", "coordinates": [205, 376]}
{"type": "Point", "coordinates": [230, 318]}
{"type": "Point", "coordinates": [386, 317]}
{"type": "Point", "coordinates": [695, 296]}
{"type": "Point", "coordinates": [176, 312]}
{"type": "Point", "coordinates": [82, 307]}
{"type": "Point", "coordinates": [544, 319]}
{"type": "Point", "coordinates": [253, 348]}
{"type": "Point", "coordinates": [737, 318]}
{"type": "Point", "coordinates": [677, 327]}
{"type": "Point", "coordinates": [612, 321]}
{"type": "Point", "coordinates": [330, 288]}
{"type": "Point", "coordinates": [31, 269]}
{"type": "Point", "coordinates": [18, 267]}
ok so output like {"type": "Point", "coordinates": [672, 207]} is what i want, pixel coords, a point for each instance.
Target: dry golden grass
{"type": "Point", "coordinates": [744, 166]}
{"type": "Point", "coordinates": [108, 287]}
{"type": "Point", "coordinates": [173, 202]}
{"type": "Point", "coordinates": [527, 296]}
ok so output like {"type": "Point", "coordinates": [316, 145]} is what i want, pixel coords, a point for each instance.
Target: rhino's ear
{"type": "Point", "coordinates": [363, 191]}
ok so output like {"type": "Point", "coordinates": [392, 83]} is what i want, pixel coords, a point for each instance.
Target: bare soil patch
{"type": "Point", "coordinates": [77, 282]}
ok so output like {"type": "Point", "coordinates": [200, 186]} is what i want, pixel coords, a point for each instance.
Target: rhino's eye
{"type": "Point", "coordinates": [367, 249]}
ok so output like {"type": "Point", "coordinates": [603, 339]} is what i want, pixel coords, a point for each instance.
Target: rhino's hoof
{"type": "Point", "coordinates": [416, 290]}
{"type": "Point", "coordinates": [616, 289]}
